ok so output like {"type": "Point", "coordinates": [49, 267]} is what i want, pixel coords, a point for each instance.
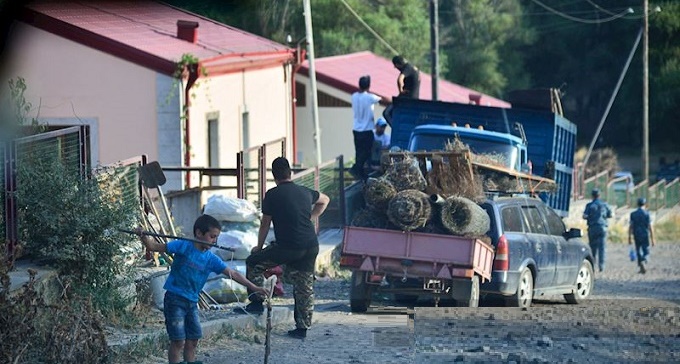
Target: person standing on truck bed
{"type": "Point", "coordinates": [408, 81]}
{"type": "Point", "coordinates": [641, 229]}
{"type": "Point", "coordinates": [596, 214]}
{"type": "Point", "coordinates": [291, 208]}
{"type": "Point", "coordinates": [362, 108]}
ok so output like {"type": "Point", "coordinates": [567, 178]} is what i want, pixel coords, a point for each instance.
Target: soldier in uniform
{"type": "Point", "coordinates": [641, 230]}
{"type": "Point", "coordinates": [291, 208]}
{"type": "Point", "coordinates": [596, 214]}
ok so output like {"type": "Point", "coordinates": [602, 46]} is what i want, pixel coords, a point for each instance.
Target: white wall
{"type": "Point", "coordinates": [67, 80]}
{"type": "Point", "coordinates": [335, 124]}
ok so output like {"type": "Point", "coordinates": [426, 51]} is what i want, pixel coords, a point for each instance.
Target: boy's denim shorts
{"type": "Point", "coordinates": [181, 318]}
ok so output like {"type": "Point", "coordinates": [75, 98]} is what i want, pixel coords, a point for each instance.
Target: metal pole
{"type": "Point", "coordinates": [434, 47]}
{"type": "Point", "coordinates": [645, 94]}
{"type": "Point", "coordinates": [312, 78]}
{"type": "Point", "coordinates": [611, 100]}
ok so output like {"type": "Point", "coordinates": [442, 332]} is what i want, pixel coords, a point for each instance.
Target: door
{"type": "Point", "coordinates": [515, 230]}
{"type": "Point", "coordinates": [544, 250]}
{"type": "Point", "coordinates": [568, 252]}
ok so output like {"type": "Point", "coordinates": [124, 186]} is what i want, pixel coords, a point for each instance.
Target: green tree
{"type": "Point", "coordinates": [482, 40]}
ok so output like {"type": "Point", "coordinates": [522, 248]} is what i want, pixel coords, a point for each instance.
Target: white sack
{"type": "Point", "coordinates": [226, 208]}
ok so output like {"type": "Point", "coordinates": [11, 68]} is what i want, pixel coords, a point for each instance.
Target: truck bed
{"type": "Point", "coordinates": [417, 254]}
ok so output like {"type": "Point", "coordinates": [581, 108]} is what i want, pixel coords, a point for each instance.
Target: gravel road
{"type": "Point", "coordinates": [630, 317]}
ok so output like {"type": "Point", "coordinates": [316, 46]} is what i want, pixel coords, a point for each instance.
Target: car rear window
{"type": "Point", "coordinates": [512, 219]}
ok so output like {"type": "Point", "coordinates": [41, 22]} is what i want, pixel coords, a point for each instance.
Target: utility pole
{"type": "Point", "coordinates": [312, 79]}
{"type": "Point", "coordinates": [645, 93]}
{"type": "Point", "coordinates": [434, 47]}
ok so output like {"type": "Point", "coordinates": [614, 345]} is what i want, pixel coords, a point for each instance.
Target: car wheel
{"type": "Point", "coordinates": [525, 290]}
{"type": "Point", "coordinates": [360, 293]}
{"type": "Point", "coordinates": [584, 284]}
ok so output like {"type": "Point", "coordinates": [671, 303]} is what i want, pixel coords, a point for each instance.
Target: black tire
{"type": "Point", "coordinates": [585, 281]}
{"type": "Point", "coordinates": [466, 292]}
{"type": "Point", "coordinates": [525, 290]}
{"type": "Point", "coordinates": [360, 292]}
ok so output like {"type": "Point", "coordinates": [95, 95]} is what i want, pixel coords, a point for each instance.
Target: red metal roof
{"type": "Point", "coordinates": [145, 32]}
{"type": "Point", "coordinates": [343, 72]}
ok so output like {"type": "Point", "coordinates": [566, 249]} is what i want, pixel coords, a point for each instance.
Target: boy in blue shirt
{"type": "Point", "coordinates": [192, 264]}
{"type": "Point", "coordinates": [641, 229]}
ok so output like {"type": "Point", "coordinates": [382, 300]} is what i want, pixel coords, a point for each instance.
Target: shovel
{"type": "Point", "coordinates": [176, 238]}
{"type": "Point", "coordinates": [269, 285]}
{"type": "Point", "coordinates": [152, 176]}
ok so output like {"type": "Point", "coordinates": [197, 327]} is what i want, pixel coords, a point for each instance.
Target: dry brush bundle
{"type": "Point", "coordinates": [453, 176]}
{"type": "Point", "coordinates": [405, 174]}
{"type": "Point", "coordinates": [409, 210]}
{"type": "Point", "coordinates": [462, 216]}
{"type": "Point", "coordinates": [370, 218]}
{"type": "Point", "coordinates": [378, 193]}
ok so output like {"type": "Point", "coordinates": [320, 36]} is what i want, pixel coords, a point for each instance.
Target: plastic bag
{"type": "Point", "coordinates": [632, 254]}
{"type": "Point", "coordinates": [225, 208]}
{"type": "Point", "coordinates": [241, 242]}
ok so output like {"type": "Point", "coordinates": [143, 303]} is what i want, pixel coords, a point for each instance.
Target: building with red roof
{"type": "Point", "coordinates": [337, 78]}
{"type": "Point", "coordinates": [127, 69]}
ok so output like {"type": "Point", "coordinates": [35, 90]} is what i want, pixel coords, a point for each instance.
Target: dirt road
{"type": "Point", "coordinates": [630, 318]}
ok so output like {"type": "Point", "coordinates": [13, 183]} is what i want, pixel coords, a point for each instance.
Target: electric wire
{"type": "Point", "coordinates": [384, 42]}
{"type": "Point", "coordinates": [581, 20]}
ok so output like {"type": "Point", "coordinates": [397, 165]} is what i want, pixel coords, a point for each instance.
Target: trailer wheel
{"type": "Point", "coordinates": [525, 291]}
{"type": "Point", "coordinates": [360, 293]}
{"type": "Point", "coordinates": [466, 292]}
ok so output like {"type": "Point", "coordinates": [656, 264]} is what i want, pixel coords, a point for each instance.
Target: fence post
{"type": "Point", "coordinates": [341, 194]}
{"type": "Point", "coordinates": [240, 176]}
{"type": "Point", "coordinates": [11, 229]}
{"type": "Point", "coordinates": [262, 172]}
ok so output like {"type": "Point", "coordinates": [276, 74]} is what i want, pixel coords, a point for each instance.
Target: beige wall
{"type": "Point", "coordinates": [66, 80]}
{"type": "Point", "coordinates": [264, 94]}
{"type": "Point", "coordinates": [335, 124]}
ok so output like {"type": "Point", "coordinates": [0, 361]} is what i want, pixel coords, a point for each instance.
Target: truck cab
{"type": "Point", "coordinates": [513, 149]}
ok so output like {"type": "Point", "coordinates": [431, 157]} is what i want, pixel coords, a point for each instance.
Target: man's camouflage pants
{"type": "Point", "coordinates": [298, 271]}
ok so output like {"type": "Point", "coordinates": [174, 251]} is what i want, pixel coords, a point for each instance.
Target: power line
{"type": "Point", "coordinates": [394, 51]}
{"type": "Point", "coordinates": [581, 20]}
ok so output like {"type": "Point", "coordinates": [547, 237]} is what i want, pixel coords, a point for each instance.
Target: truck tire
{"type": "Point", "coordinates": [466, 291]}
{"type": "Point", "coordinates": [584, 284]}
{"type": "Point", "coordinates": [360, 292]}
{"type": "Point", "coordinates": [525, 291]}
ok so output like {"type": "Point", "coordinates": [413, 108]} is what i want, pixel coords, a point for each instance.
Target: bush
{"type": "Point", "coordinates": [71, 223]}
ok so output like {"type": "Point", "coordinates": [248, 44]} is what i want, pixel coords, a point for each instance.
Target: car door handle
{"type": "Point", "coordinates": [539, 247]}
{"type": "Point", "coordinates": [559, 248]}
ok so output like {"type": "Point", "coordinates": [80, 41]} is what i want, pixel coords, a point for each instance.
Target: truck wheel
{"type": "Point", "coordinates": [525, 290]}
{"type": "Point", "coordinates": [584, 284]}
{"type": "Point", "coordinates": [466, 292]}
{"type": "Point", "coordinates": [360, 293]}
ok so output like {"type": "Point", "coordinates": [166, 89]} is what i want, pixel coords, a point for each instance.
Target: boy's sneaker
{"type": "Point", "coordinates": [253, 308]}
{"type": "Point", "coordinates": [298, 333]}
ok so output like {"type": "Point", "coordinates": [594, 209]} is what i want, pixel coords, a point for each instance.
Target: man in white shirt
{"type": "Point", "coordinates": [363, 103]}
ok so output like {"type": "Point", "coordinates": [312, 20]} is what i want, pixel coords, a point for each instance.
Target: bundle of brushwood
{"type": "Point", "coordinates": [409, 210]}
{"type": "Point", "coordinates": [371, 218]}
{"type": "Point", "coordinates": [405, 174]}
{"type": "Point", "coordinates": [378, 192]}
{"type": "Point", "coordinates": [454, 176]}
{"type": "Point", "coordinates": [462, 216]}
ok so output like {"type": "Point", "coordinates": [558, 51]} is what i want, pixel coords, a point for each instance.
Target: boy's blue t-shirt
{"type": "Point", "coordinates": [190, 269]}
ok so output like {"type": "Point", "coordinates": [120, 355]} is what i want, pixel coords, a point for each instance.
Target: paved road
{"type": "Point", "coordinates": [630, 318]}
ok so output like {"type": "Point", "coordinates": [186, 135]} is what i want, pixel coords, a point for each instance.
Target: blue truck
{"type": "Point", "coordinates": [534, 141]}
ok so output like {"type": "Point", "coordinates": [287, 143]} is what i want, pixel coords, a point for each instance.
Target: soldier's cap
{"type": "Point", "coordinates": [642, 201]}
{"type": "Point", "coordinates": [595, 192]}
{"type": "Point", "coordinates": [381, 121]}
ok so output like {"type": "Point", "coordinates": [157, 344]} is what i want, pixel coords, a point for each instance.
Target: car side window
{"type": "Point", "coordinates": [555, 224]}
{"type": "Point", "coordinates": [512, 219]}
{"type": "Point", "coordinates": [536, 224]}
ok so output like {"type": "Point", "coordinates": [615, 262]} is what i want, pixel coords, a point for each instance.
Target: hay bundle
{"type": "Point", "coordinates": [370, 218]}
{"type": "Point", "coordinates": [409, 210]}
{"type": "Point", "coordinates": [405, 174]}
{"type": "Point", "coordinates": [378, 193]}
{"type": "Point", "coordinates": [464, 217]}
